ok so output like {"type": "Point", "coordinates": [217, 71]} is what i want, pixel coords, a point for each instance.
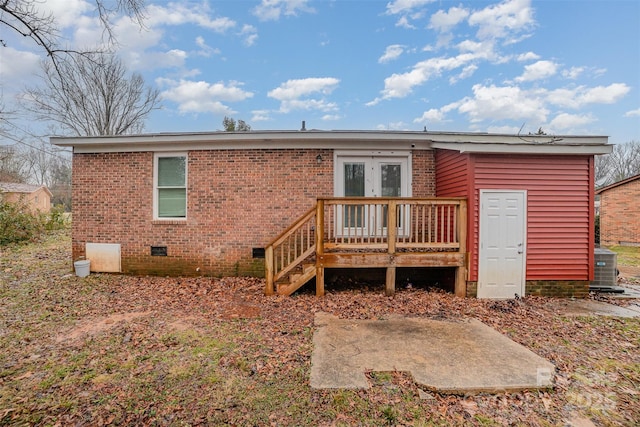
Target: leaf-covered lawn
{"type": "Point", "coordinates": [121, 350]}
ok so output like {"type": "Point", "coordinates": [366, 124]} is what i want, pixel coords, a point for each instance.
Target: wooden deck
{"type": "Point", "coordinates": [354, 233]}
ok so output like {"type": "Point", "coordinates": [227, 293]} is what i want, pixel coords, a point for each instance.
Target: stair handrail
{"type": "Point", "coordinates": [270, 267]}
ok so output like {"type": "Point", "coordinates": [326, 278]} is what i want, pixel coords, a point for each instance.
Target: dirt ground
{"type": "Point", "coordinates": [123, 350]}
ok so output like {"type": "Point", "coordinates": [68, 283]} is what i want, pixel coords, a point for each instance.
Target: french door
{"type": "Point", "coordinates": [370, 176]}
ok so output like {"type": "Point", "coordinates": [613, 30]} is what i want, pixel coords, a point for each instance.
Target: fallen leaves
{"type": "Point", "coordinates": [123, 350]}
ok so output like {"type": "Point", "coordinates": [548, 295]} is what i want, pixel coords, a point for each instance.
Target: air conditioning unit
{"type": "Point", "coordinates": [606, 270]}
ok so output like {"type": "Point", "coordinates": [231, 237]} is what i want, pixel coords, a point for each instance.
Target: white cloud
{"type": "Point", "coordinates": [529, 56]}
{"type": "Point", "coordinates": [403, 22]}
{"type": "Point", "coordinates": [392, 126]}
{"type": "Point", "coordinates": [271, 10]}
{"type": "Point", "coordinates": [260, 116]}
{"type": "Point", "coordinates": [503, 20]}
{"type": "Point", "coordinates": [391, 52]}
{"type": "Point", "coordinates": [66, 12]}
{"type": "Point", "coordinates": [396, 7]}
{"type": "Point", "coordinates": [464, 74]}
{"type": "Point", "coordinates": [16, 65]}
{"type": "Point", "coordinates": [180, 14]}
{"type": "Point", "coordinates": [201, 96]}
{"type": "Point", "coordinates": [141, 49]}
{"type": "Point", "coordinates": [573, 72]}
{"type": "Point", "coordinates": [503, 103]}
{"type": "Point", "coordinates": [444, 21]}
{"type": "Point", "coordinates": [331, 117]}
{"type": "Point", "coordinates": [433, 115]}
{"type": "Point", "coordinates": [564, 121]}
{"type": "Point", "coordinates": [296, 94]}
{"type": "Point", "coordinates": [293, 89]}
{"type": "Point", "coordinates": [505, 130]}
{"type": "Point", "coordinates": [481, 50]}
{"type": "Point", "coordinates": [250, 34]}
{"type": "Point", "coordinates": [205, 50]}
{"type": "Point", "coordinates": [286, 106]}
{"type": "Point", "coordinates": [408, 10]}
{"type": "Point", "coordinates": [633, 113]}
{"type": "Point", "coordinates": [604, 94]}
{"type": "Point", "coordinates": [401, 85]}
{"type": "Point", "coordinates": [538, 71]}
{"type": "Point", "coordinates": [579, 96]}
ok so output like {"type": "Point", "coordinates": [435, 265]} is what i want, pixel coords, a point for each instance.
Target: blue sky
{"type": "Point", "coordinates": [570, 67]}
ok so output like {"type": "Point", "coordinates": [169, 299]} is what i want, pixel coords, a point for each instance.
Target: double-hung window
{"type": "Point", "coordinates": [170, 186]}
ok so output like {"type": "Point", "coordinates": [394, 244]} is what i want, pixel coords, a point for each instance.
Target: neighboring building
{"type": "Point", "coordinates": [620, 213]}
{"type": "Point", "coordinates": [37, 198]}
{"type": "Point", "coordinates": [507, 214]}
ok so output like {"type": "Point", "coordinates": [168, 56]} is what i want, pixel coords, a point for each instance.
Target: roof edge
{"type": "Point", "coordinates": [323, 135]}
{"type": "Point", "coordinates": [617, 184]}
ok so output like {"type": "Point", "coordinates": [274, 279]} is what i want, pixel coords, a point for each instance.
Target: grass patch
{"type": "Point", "coordinates": [627, 255]}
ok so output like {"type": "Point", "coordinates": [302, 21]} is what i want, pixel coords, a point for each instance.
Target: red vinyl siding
{"type": "Point", "coordinates": [454, 178]}
{"type": "Point", "coordinates": [452, 174]}
{"type": "Point", "coordinates": [559, 211]}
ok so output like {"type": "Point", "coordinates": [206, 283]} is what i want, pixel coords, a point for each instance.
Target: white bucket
{"type": "Point", "coordinates": [82, 267]}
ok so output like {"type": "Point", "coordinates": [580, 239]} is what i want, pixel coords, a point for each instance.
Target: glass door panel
{"type": "Point", "coordinates": [354, 186]}
{"type": "Point", "coordinates": [370, 176]}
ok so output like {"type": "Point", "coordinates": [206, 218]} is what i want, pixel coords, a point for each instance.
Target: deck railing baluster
{"type": "Point", "coordinates": [346, 224]}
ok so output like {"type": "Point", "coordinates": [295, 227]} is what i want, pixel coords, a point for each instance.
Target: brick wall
{"type": "Point", "coordinates": [423, 174]}
{"type": "Point", "coordinates": [558, 288]}
{"type": "Point", "coordinates": [620, 215]}
{"type": "Point", "coordinates": [547, 288]}
{"type": "Point", "coordinates": [237, 200]}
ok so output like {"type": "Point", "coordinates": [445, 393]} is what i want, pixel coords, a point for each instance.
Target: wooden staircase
{"type": "Point", "coordinates": [355, 233]}
{"type": "Point", "coordinates": [297, 279]}
{"type": "Point", "coordinates": [289, 258]}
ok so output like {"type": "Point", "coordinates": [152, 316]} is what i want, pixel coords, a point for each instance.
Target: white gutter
{"type": "Point", "coordinates": [327, 140]}
{"type": "Point", "coordinates": [550, 148]}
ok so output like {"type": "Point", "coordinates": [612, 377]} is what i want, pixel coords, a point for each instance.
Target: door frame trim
{"type": "Point", "coordinates": [405, 154]}
{"type": "Point", "coordinates": [524, 237]}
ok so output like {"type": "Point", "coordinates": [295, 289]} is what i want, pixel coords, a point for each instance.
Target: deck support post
{"type": "Point", "coordinates": [460, 288]}
{"type": "Point", "coordinates": [319, 281]}
{"type": "Point", "coordinates": [268, 260]}
{"type": "Point", "coordinates": [392, 231]}
{"type": "Point", "coordinates": [390, 285]}
{"type": "Point", "coordinates": [319, 247]}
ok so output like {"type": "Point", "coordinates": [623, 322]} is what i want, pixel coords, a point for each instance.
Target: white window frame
{"type": "Point", "coordinates": [157, 156]}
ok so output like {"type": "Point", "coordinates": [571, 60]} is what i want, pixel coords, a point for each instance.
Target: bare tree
{"type": "Point", "coordinates": [60, 182]}
{"type": "Point", "coordinates": [11, 165]}
{"type": "Point", "coordinates": [27, 18]}
{"type": "Point", "coordinates": [622, 163]}
{"type": "Point", "coordinates": [92, 95]}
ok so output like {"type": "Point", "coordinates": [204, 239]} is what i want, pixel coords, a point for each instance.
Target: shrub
{"type": "Point", "coordinates": [597, 231]}
{"type": "Point", "coordinates": [18, 224]}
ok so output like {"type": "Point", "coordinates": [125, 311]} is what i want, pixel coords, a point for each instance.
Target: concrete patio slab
{"type": "Point", "coordinates": [590, 308]}
{"type": "Point", "coordinates": [448, 357]}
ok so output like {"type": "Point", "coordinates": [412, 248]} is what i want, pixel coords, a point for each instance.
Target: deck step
{"type": "Point", "coordinates": [296, 280]}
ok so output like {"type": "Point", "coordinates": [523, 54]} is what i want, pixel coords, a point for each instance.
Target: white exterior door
{"type": "Point", "coordinates": [358, 175]}
{"type": "Point", "coordinates": [502, 256]}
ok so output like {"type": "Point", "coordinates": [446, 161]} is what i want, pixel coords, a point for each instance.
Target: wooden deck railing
{"type": "Point", "coordinates": [290, 248]}
{"type": "Point", "coordinates": [354, 223]}
{"type": "Point", "coordinates": [357, 225]}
